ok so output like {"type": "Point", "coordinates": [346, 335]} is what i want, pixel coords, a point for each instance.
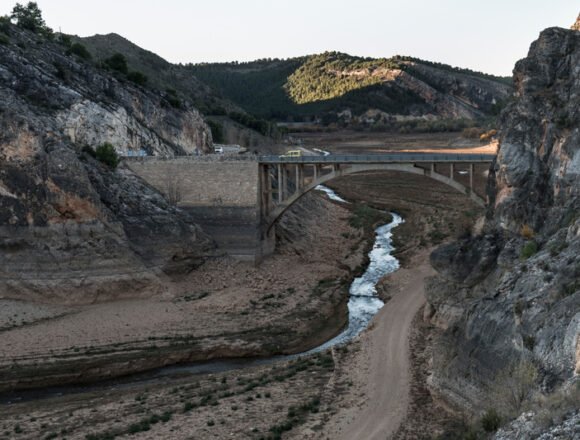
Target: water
{"type": "Point", "coordinates": [363, 305]}
{"type": "Point", "coordinates": [330, 193]}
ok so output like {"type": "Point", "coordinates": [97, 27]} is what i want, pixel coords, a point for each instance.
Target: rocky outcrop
{"type": "Point", "coordinates": [73, 230]}
{"type": "Point", "coordinates": [512, 295]}
{"type": "Point", "coordinates": [452, 94]}
{"type": "Point", "coordinates": [576, 25]}
{"type": "Point", "coordinates": [75, 100]}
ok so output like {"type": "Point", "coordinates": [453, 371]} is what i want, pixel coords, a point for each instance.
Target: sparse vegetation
{"type": "Point", "coordinates": [118, 63]}
{"type": "Point", "coordinates": [529, 249]}
{"type": "Point", "coordinates": [137, 78]}
{"type": "Point", "coordinates": [491, 420]}
{"type": "Point", "coordinates": [513, 386]}
{"type": "Point", "coordinates": [527, 232]}
{"type": "Point", "coordinates": [29, 17]}
{"type": "Point", "coordinates": [366, 217]}
{"type": "Point", "coordinates": [107, 154]}
{"type": "Point", "coordinates": [79, 50]}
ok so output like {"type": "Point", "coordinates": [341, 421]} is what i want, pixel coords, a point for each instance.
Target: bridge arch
{"type": "Point", "coordinates": [271, 216]}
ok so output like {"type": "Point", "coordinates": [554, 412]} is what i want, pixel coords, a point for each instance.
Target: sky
{"type": "Point", "coordinates": [484, 35]}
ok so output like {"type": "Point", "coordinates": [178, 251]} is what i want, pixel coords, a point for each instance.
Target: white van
{"type": "Point", "coordinates": [218, 150]}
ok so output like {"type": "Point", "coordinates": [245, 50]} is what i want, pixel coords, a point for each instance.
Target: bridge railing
{"type": "Point", "coordinates": [380, 158]}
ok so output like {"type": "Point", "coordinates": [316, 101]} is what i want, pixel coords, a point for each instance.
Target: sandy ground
{"type": "Point", "coordinates": [379, 368]}
{"type": "Point", "coordinates": [227, 308]}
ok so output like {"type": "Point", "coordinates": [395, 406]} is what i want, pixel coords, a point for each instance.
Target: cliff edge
{"type": "Point", "coordinates": [508, 301]}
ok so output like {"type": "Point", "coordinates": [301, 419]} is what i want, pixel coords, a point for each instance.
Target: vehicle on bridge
{"type": "Point", "coordinates": [292, 153]}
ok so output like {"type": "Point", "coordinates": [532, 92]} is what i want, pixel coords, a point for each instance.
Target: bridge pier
{"type": "Point", "coordinates": [471, 172]}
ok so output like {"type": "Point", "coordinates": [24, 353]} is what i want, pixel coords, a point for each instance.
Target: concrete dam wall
{"type": "Point", "coordinates": [221, 194]}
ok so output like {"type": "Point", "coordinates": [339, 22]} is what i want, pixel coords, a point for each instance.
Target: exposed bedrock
{"type": "Point", "coordinates": [512, 294]}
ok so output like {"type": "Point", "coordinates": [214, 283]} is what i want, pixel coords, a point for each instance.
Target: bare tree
{"type": "Point", "coordinates": [173, 187]}
{"type": "Point", "coordinates": [514, 385]}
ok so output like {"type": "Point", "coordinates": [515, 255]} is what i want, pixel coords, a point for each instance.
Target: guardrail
{"type": "Point", "coordinates": [380, 158]}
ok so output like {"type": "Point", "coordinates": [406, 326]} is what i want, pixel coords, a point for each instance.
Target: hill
{"type": "Point", "coordinates": [325, 85]}
{"type": "Point", "coordinates": [230, 123]}
{"type": "Point", "coordinates": [160, 73]}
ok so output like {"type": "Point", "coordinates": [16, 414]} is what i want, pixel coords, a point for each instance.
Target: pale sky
{"type": "Point", "coordinates": [485, 35]}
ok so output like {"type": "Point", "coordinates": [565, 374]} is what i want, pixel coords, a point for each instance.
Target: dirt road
{"type": "Point", "coordinates": [382, 364]}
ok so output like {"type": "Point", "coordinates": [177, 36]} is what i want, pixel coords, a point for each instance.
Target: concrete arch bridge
{"type": "Point", "coordinates": [237, 199]}
{"type": "Point", "coordinates": [283, 180]}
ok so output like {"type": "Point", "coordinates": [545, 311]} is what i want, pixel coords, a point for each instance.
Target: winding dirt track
{"type": "Point", "coordinates": [384, 363]}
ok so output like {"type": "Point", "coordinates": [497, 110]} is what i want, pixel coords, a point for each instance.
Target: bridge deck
{"type": "Point", "coordinates": [379, 158]}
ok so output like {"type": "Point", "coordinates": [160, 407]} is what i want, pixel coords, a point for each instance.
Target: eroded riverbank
{"type": "Point", "coordinates": [226, 309]}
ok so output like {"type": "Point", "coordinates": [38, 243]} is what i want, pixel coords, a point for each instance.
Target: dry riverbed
{"type": "Point", "coordinates": [292, 302]}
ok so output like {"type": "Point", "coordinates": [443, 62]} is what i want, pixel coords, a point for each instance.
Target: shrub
{"type": "Point", "coordinates": [107, 154]}
{"type": "Point", "coordinates": [527, 232]}
{"type": "Point", "coordinates": [5, 25]}
{"type": "Point", "coordinates": [529, 249]}
{"type": "Point", "coordinates": [491, 420]}
{"type": "Point", "coordinates": [79, 50]}
{"type": "Point", "coordinates": [137, 78]}
{"type": "Point", "coordinates": [172, 98]}
{"type": "Point", "coordinates": [117, 62]}
{"type": "Point", "coordinates": [514, 385]}
{"type": "Point", "coordinates": [529, 342]}
{"type": "Point", "coordinates": [60, 71]}
{"type": "Point", "coordinates": [4, 39]}
{"type": "Point", "coordinates": [65, 40]}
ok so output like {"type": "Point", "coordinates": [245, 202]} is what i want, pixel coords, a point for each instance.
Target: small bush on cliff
{"type": "Point", "coordinates": [65, 40]}
{"type": "Point", "coordinates": [79, 50]}
{"type": "Point", "coordinates": [137, 77]}
{"type": "Point", "coordinates": [529, 249]}
{"type": "Point", "coordinates": [117, 62]}
{"type": "Point", "coordinates": [107, 154]}
{"type": "Point", "coordinates": [491, 420]}
{"type": "Point", "coordinates": [172, 98]}
{"type": "Point", "coordinates": [527, 232]}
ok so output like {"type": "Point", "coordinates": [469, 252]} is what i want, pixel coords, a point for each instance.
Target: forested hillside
{"type": "Point", "coordinates": [321, 86]}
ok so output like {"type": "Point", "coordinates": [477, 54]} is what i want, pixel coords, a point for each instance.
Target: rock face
{"type": "Point", "coordinates": [75, 100]}
{"type": "Point", "coordinates": [452, 94]}
{"type": "Point", "coordinates": [72, 229]}
{"type": "Point", "coordinates": [576, 26]}
{"type": "Point", "coordinates": [513, 294]}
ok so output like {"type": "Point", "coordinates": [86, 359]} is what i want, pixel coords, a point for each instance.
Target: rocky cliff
{"type": "Point", "coordinates": [73, 98]}
{"type": "Point", "coordinates": [72, 228]}
{"type": "Point", "coordinates": [508, 301]}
